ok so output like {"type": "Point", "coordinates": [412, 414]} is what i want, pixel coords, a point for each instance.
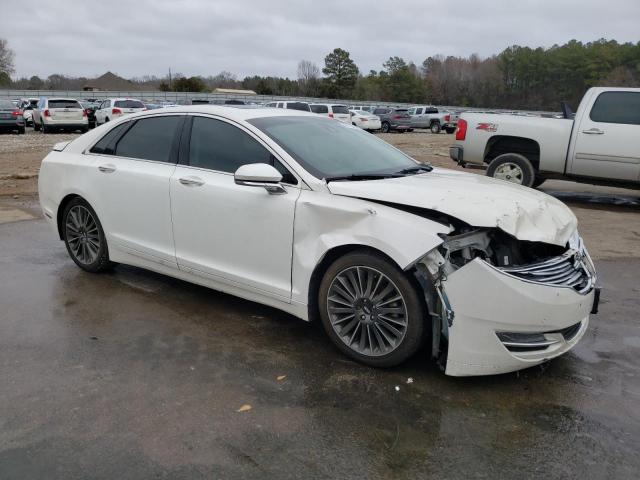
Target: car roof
{"type": "Point", "coordinates": [231, 111]}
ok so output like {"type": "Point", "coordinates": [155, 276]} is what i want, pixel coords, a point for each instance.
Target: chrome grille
{"type": "Point", "coordinates": [572, 269]}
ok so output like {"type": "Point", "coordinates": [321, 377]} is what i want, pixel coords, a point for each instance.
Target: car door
{"type": "Point", "coordinates": [417, 118]}
{"type": "Point", "coordinates": [232, 234]}
{"type": "Point", "coordinates": [607, 140]}
{"type": "Point", "coordinates": [131, 170]}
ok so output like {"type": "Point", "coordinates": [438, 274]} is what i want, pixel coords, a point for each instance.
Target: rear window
{"type": "Point", "coordinates": [617, 107]}
{"type": "Point", "coordinates": [64, 104]}
{"type": "Point", "coordinates": [319, 108]}
{"type": "Point", "coordinates": [339, 109]}
{"type": "Point", "coordinates": [128, 104]}
{"type": "Point", "coordinates": [298, 106]}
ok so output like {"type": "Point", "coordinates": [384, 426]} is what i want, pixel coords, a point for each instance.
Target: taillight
{"type": "Point", "coordinates": [46, 113]}
{"type": "Point", "coordinates": [330, 115]}
{"type": "Point", "coordinates": [447, 118]}
{"type": "Point", "coordinates": [116, 111]}
{"type": "Point", "coordinates": [461, 129]}
{"type": "Point", "coordinates": [396, 117]}
{"type": "Point", "coordinates": [85, 113]}
{"type": "Point", "coordinates": [15, 113]}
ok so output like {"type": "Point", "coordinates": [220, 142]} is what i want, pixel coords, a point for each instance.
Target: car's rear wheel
{"type": "Point", "coordinates": [84, 237]}
{"type": "Point", "coordinates": [512, 167]}
{"type": "Point", "coordinates": [435, 127]}
{"type": "Point", "coordinates": [385, 127]}
{"type": "Point", "coordinates": [371, 310]}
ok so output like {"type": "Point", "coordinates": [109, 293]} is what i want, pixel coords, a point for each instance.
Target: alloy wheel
{"type": "Point", "coordinates": [82, 235]}
{"type": "Point", "coordinates": [510, 172]}
{"type": "Point", "coordinates": [367, 311]}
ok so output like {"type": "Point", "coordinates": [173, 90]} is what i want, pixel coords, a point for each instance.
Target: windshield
{"type": "Point", "coordinates": [326, 148]}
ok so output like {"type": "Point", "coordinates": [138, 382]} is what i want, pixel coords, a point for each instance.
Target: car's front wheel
{"type": "Point", "coordinates": [385, 127]}
{"type": "Point", "coordinates": [84, 237]}
{"type": "Point", "coordinates": [371, 310]}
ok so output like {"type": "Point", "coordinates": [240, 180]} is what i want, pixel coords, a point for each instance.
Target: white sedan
{"type": "Point", "coordinates": [365, 120]}
{"type": "Point", "coordinates": [324, 221]}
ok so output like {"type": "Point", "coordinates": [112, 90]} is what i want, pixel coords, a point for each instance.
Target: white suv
{"type": "Point", "coordinates": [112, 108]}
{"type": "Point", "coordinates": [339, 112]}
{"type": "Point", "coordinates": [59, 114]}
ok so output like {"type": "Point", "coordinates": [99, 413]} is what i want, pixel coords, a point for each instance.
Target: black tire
{"type": "Point", "coordinates": [512, 167]}
{"type": "Point", "coordinates": [101, 261]}
{"type": "Point", "coordinates": [84, 129]}
{"type": "Point", "coordinates": [409, 129]}
{"type": "Point", "coordinates": [386, 127]}
{"type": "Point", "coordinates": [36, 127]}
{"type": "Point", "coordinates": [106, 119]}
{"type": "Point", "coordinates": [411, 303]}
{"type": "Point", "coordinates": [450, 130]}
{"type": "Point", "coordinates": [22, 130]}
{"type": "Point", "coordinates": [43, 128]}
{"type": "Point", "coordinates": [435, 127]}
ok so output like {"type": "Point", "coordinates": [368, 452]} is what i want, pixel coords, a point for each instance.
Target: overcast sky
{"type": "Point", "coordinates": [270, 37]}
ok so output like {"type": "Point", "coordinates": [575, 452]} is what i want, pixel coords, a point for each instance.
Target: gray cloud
{"type": "Point", "coordinates": [204, 37]}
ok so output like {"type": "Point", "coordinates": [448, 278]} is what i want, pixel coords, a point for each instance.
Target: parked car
{"type": "Point", "coordinates": [365, 120]}
{"type": "Point", "coordinates": [427, 116]}
{"type": "Point", "coordinates": [394, 119]}
{"type": "Point", "coordinates": [112, 108]}
{"type": "Point", "coordinates": [364, 108]}
{"type": "Point", "coordinates": [59, 114]}
{"type": "Point", "coordinates": [327, 222]}
{"type": "Point", "coordinates": [27, 105]}
{"type": "Point", "coordinates": [11, 118]}
{"type": "Point", "coordinates": [302, 106]}
{"type": "Point", "coordinates": [601, 145]}
{"type": "Point", "coordinates": [332, 110]}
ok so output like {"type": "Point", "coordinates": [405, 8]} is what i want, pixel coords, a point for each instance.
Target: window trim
{"type": "Point", "coordinates": [606, 92]}
{"type": "Point", "coordinates": [185, 144]}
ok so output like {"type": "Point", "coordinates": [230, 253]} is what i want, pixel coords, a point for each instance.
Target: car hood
{"type": "Point", "coordinates": [480, 201]}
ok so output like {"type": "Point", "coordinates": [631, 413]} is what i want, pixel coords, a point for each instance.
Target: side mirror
{"type": "Point", "coordinates": [260, 175]}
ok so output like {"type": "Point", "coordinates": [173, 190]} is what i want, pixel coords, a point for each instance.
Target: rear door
{"type": "Point", "coordinates": [132, 166]}
{"type": "Point", "coordinates": [65, 111]}
{"type": "Point", "coordinates": [607, 139]}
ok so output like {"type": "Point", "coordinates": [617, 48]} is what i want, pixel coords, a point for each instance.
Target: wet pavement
{"type": "Point", "coordinates": [135, 375]}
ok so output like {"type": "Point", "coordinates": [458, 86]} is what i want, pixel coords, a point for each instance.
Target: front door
{"type": "Point", "coordinates": [234, 234]}
{"type": "Point", "coordinates": [607, 141]}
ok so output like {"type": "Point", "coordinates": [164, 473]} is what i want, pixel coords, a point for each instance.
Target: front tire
{"type": "Point", "coordinates": [84, 237]}
{"type": "Point", "coordinates": [386, 127]}
{"type": "Point", "coordinates": [512, 167]}
{"type": "Point", "coordinates": [371, 310]}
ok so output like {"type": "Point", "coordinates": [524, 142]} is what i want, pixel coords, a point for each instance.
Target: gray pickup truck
{"type": "Point", "coordinates": [428, 116]}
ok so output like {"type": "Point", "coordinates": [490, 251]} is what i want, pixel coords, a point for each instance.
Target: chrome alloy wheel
{"type": "Point", "coordinates": [82, 235]}
{"type": "Point", "coordinates": [367, 311]}
{"type": "Point", "coordinates": [510, 172]}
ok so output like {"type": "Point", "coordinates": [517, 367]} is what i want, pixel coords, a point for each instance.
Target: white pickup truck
{"type": "Point", "coordinates": [601, 145]}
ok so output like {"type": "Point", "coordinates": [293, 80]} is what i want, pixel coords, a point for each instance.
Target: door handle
{"type": "Point", "coordinates": [593, 131]}
{"type": "Point", "coordinates": [191, 181]}
{"type": "Point", "coordinates": [107, 168]}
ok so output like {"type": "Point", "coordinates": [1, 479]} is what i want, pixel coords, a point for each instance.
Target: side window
{"type": "Point", "coordinates": [617, 107]}
{"type": "Point", "coordinates": [217, 145]}
{"type": "Point", "coordinates": [106, 145]}
{"type": "Point", "coordinates": [150, 139]}
{"type": "Point", "coordinates": [419, 111]}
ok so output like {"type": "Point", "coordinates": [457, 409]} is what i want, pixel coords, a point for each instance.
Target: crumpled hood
{"type": "Point", "coordinates": [477, 200]}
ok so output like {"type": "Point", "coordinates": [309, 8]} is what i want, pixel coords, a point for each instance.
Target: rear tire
{"type": "Point", "coordinates": [512, 167]}
{"type": "Point", "coordinates": [84, 237]}
{"type": "Point", "coordinates": [435, 127]}
{"type": "Point", "coordinates": [385, 127]}
{"type": "Point", "coordinates": [387, 325]}
{"type": "Point", "coordinates": [22, 130]}
{"type": "Point", "coordinates": [43, 128]}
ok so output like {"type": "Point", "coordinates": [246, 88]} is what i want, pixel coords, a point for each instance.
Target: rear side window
{"type": "Point", "coordinates": [380, 111]}
{"type": "Point", "coordinates": [106, 145]}
{"type": "Point", "coordinates": [319, 108]}
{"type": "Point", "coordinates": [150, 139]}
{"type": "Point", "coordinates": [128, 104]}
{"type": "Point", "coordinates": [217, 145]}
{"type": "Point", "coordinates": [64, 104]}
{"type": "Point", "coordinates": [418, 111]}
{"type": "Point", "coordinates": [298, 106]}
{"type": "Point", "coordinates": [617, 107]}
{"type": "Point", "coordinates": [340, 109]}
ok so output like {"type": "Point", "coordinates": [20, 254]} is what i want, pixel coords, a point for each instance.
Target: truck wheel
{"type": "Point", "coordinates": [385, 127]}
{"type": "Point", "coordinates": [435, 127]}
{"type": "Point", "coordinates": [512, 167]}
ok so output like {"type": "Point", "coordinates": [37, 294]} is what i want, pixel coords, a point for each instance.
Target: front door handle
{"type": "Point", "coordinates": [108, 168]}
{"type": "Point", "coordinates": [593, 131]}
{"type": "Point", "coordinates": [191, 181]}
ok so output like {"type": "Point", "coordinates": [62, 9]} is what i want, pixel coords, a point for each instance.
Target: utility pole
{"type": "Point", "coordinates": [169, 78]}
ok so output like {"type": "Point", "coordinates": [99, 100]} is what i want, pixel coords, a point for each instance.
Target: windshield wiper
{"type": "Point", "coordinates": [416, 169]}
{"type": "Point", "coordinates": [363, 176]}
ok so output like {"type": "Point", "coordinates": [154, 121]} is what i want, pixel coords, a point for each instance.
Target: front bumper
{"type": "Point", "coordinates": [487, 302]}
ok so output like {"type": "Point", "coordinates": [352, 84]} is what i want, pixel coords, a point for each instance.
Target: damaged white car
{"type": "Point", "coordinates": [325, 221]}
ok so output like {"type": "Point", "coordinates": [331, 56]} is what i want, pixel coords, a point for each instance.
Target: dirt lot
{"type": "Point", "coordinates": [609, 218]}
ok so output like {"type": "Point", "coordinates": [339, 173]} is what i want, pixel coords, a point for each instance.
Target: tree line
{"type": "Point", "coordinates": [516, 78]}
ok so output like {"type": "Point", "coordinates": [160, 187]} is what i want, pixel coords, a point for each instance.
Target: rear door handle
{"type": "Point", "coordinates": [191, 181]}
{"type": "Point", "coordinates": [593, 131]}
{"type": "Point", "coordinates": [107, 168]}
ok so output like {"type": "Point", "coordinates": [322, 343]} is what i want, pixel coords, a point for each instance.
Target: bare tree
{"type": "Point", "coordinates": [308, 77]}
{"type": "Point", "coordinates": [6, 58]}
